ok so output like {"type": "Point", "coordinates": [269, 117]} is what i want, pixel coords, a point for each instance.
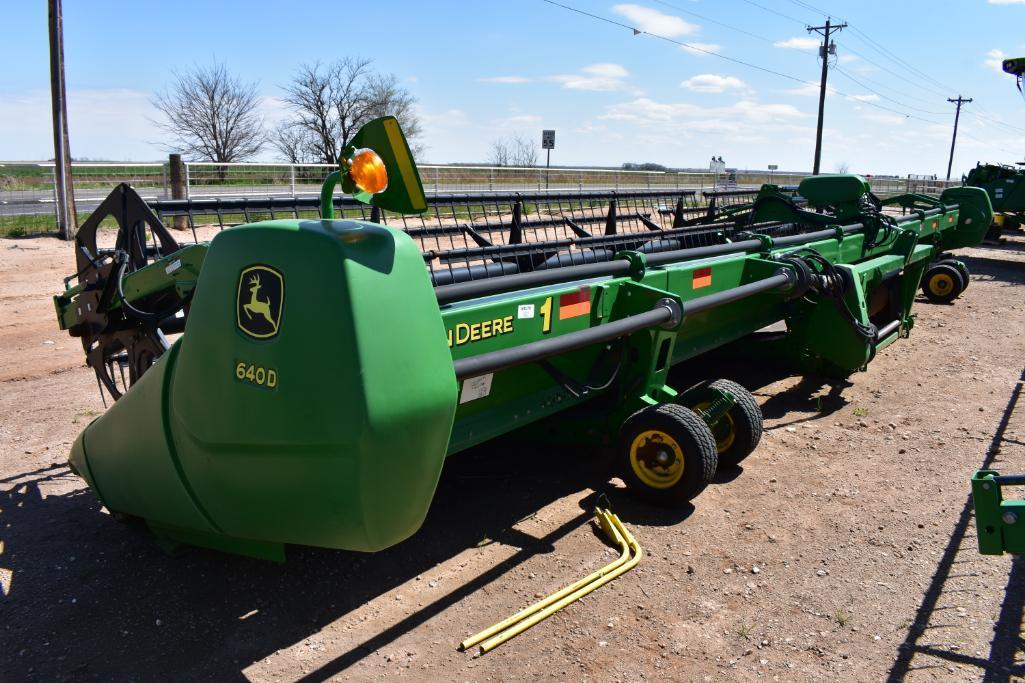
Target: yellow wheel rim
{"type": "Point", "coordinates": [941, 284]}
{"type": "Point", "coordinates": [724, 431]}
{"type": "Point", "coordinates": [656, 459]}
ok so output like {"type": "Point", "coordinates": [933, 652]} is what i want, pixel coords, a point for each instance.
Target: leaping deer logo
{"type": "Point", "coordinates": [259, 317]}
{"type": "Point", "coordinates": [255, 305]}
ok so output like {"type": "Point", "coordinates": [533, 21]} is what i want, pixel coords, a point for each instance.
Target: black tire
{"type": "Point", "coordinates": [942, 283]}
{"type": "Point", "coordinates": [961, 268]}
{"type": "Point", "coordinates": [652, 433]}
{"type": "Point", "coordinates": [738, 433]}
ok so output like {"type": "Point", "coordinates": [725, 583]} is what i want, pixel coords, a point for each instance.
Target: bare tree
{"type": "Point", "coordinates": [515, 150]}
{"type": "Point", "coordinates": [843, 167]}
{"type": "Point", "coordinates": [331, 103]}
{"type": "Point", "coordinates": [389, 98]}
{"type": "Point", "coordinates": [294, 142]}
{"type": "Point", "coordinates": [212, 114]}
{"type": "Point", "coordinates": [524, 151]}
{"type": "Point", "coordinates": [500, 154]}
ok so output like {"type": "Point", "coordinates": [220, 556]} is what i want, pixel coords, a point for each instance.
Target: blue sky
{"type": "Point", "coordinates": [484, 69]}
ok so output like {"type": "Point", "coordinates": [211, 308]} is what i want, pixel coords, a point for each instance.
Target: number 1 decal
{"type": "Point", "coordinates": [546, 316]}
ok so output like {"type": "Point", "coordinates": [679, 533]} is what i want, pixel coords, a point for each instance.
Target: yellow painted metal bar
{"type": "Point", "coordinates": [604, 521]}
{"type": "Point", "coordinates": [530, 616]}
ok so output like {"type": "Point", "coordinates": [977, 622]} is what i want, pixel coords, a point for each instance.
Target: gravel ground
{"type": "Point", "coordinates": [843, 549]}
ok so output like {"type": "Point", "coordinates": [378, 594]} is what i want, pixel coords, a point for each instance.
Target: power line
{"type": "Point", "coordinates": [776, 12]}
{"type": "Point", "coordinates": [904, 79]}
{"type": "Point", "coordinates": [880, 48]}
{"type": "Point", "coordinates": [714, 21]}
{"type": "Point", "coordinates": [886, 97]}
{"type": "Point", "coordinates": [998, 122]}
{"type": "Point", "coordinates": [813, 9]}
{"type": "Point", "coordinates": [637, 31]}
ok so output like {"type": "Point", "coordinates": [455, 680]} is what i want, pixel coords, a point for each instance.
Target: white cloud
{"type": "Point", "coordinates": [863, 98]}
{"type": "Point", "coordinates": [798, 43]}
{"type": "Point", "coordinates": [602, 77]}
{"type": "Point", "coordinates": [696, 48]}
{"type": "Point", "coordinates": [449, 118]}
{"type": "Point", "coordinates": [504, 79]}
{"type": "Point", "coordinates": [1007, 2]}
{"type": "Point", "coordinates": [745, 116]}
{"type": "Point", "coordinates": [995, 60]}
{"type": "Point", "coordinates": [606, 70]}
{"type": "Point", "coordinates": [518, 121]}
{"type": "Point", "coordinates": [653, 21]}
{"type": "Point", "coordinates": [848, 59]}
{"type": "Point", "coordinates": [810, 90]}
{"type": "Point", "coordinates": [713, 83]}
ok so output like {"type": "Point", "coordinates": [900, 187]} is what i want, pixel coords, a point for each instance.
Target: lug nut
{"type": "Point", "coordinates": [1010, 518]}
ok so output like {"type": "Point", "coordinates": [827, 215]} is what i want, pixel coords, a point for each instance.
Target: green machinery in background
{"type": "Point", "coordinates": [1005, 186]}
{"type": "Point", "coordinates": [326, 368]}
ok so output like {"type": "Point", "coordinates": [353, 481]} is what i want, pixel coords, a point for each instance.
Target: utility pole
{"type": "Point", "coordinates": [67, 218]}
{"type": "Point", "coordinates": [825, 50]}
{"type": "Point", "coordinates": [957, 115]}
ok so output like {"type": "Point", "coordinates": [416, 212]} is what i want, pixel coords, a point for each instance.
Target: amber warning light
{"type": "Point", "coordinates": [368, 172]}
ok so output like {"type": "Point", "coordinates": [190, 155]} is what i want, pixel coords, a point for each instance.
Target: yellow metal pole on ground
{"type": "Point", "coordinates": [631, 554]}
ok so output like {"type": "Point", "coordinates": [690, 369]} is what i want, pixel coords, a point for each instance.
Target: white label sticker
{"type": "Point", "coordinates": [525, 311]}
{"type": "Point", "coordinates": [173, 266]}
{"type": "Point", "coordinates": [476, 387]}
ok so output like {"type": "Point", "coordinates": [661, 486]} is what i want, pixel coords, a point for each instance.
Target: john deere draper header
{"type": "Point", "coordinates": [326, 368]}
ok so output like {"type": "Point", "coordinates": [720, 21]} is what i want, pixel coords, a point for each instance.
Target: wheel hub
{"type": "Point", "coordinates": [656, 459]}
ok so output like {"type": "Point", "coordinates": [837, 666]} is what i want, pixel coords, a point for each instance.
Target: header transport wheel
{"type": "Point", "coordinates": [738, 432]}
{"type": "Point", "coordinates": [668, 454]}
{"type": "Point", "coordinates": [942, 283]}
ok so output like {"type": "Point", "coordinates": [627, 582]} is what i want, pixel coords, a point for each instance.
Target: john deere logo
{"type": "Point", "coordinates": [261, 296]}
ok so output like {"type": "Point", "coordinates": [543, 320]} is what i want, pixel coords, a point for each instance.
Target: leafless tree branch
{"type": "Point", "coordinates": [212, 115]}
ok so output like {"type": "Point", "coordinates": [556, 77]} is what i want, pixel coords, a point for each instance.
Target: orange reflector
{"type": "Point", "coordinates": [574, 304]}
{"type": "Point", "coordinates": [702, 278]}
{"type": "Point", "coordinates": [368, 172]}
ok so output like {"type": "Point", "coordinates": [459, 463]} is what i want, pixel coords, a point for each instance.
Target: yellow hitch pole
{"type": "Point", "coordinates": [525, 618]}
{"type": "Point", "coordinates": [601, 516]}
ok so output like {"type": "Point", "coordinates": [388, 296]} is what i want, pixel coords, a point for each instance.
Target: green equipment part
{"type": "Point", "coordinates": [1005, 186]}
{"type": "Point", "coordinates": [324, 369]}
{"type": "Point", "coordinates": [1016, 67]}
{"type": "Point", "coordinates": [999, 523]}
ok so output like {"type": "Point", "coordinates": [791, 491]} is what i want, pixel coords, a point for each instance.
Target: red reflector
{"type": "Point", "coordinates": [702, 278]}
{"type": "Point", "coordinates": [575, 303]}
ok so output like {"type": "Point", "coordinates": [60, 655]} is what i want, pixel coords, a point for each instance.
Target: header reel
{"type": "Point", "coordinates": [124, 311]}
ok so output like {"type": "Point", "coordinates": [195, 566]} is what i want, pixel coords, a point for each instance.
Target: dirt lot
{"type": "Point", "coordinates": [844, 548]}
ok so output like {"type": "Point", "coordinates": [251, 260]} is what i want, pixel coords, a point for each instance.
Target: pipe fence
{"type": "Point", "coordinates": [28, 199]}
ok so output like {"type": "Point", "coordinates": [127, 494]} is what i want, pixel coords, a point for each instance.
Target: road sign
{"type": "Point", "coordinates": [548, 139]}
{"type": "Point", "coordinates": [773, 167]}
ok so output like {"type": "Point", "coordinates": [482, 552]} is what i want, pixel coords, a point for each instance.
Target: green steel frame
{"type": "Point", "coordinates": [320, 411]}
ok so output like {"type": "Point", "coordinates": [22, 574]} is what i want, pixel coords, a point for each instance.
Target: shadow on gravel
{"type": "Point", "coordinates": [1000, 665]}
{"type": "Point", "coordinates": [996, 268]}
{"type": "Point", "coordinates": [88, 598]}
